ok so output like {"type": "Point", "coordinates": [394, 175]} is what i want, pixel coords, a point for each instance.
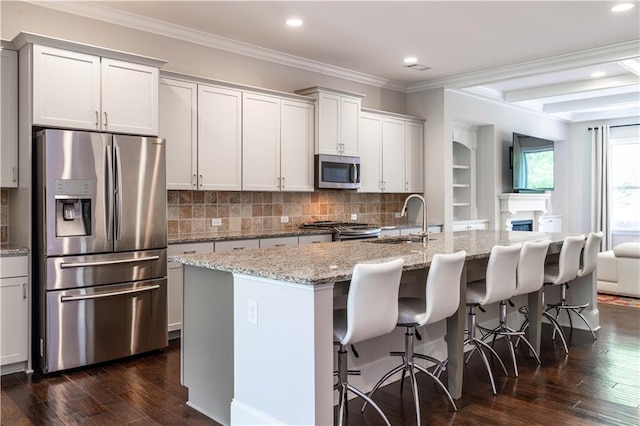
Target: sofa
{"type": "Point", "coordinates": [619, 270]}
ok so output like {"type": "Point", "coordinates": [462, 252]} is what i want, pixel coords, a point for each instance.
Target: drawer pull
{"type": "Point", "coordinates": [188, 252]}
{"type": "Point", "coordinates": [238, 248]}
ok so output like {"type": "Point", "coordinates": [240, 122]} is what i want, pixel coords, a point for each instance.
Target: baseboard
{"type": "Point", "coordinates": [245, 414]}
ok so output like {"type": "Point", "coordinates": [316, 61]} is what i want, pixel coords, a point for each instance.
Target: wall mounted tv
{"type": "Point", "coordinates": [532, 164]}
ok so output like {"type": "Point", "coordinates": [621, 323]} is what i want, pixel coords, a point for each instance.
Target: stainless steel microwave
{"type": "Point", "coordinates": [337, 172]}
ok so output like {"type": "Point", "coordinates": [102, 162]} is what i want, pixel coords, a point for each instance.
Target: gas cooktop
{"type": "Point", "coordinates": [339, 226]}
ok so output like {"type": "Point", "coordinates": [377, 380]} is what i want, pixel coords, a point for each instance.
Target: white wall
{"type": "Point", "coordinates": [184, 57]}
{"type": "Point", "coordinates": [464, 108]}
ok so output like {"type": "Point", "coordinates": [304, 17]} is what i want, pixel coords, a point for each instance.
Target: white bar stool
{"type": "Point", "coordinates": [499, 284]}
{"type": "Point", "coordinates": [529, 278]}
{"type": "Point", "coordinates": [371, 311]}
{"type": "Point", "coordinates": [589, 262]}
{"type": "Point", "coordinates": [442, 297]}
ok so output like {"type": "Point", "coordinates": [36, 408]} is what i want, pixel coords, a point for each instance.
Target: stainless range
{"type": "Point", "coordinates": [343, 231]}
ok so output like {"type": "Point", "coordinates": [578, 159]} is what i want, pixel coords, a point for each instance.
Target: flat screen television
{"type": "Point", "coordinates": [532, 164]}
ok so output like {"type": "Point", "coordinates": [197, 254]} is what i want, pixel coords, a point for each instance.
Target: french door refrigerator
{"type": "Point", "coordinates": [101, 241]}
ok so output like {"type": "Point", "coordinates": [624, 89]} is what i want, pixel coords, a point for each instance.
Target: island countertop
{"type": "Point", "coordinates": [316, 264]}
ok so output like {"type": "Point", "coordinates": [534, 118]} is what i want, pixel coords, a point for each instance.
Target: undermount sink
{"type": "Point", "coordinates": [395, 240]}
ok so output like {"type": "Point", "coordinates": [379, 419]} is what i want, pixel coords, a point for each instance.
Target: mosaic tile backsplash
{"type": "Point", "coordinates": [191, 211]}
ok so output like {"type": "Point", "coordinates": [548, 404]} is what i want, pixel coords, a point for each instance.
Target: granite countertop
{"type": "Point", "coordinates": [315, 264]}
{"type": "Point", "coordinates": [245, 235]}
{"type": "Point", "coordinates": [7, 249]}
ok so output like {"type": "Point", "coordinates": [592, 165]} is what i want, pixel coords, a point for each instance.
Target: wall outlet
{"type": "Point", "coordinates": [216, 222]}
{"type": "Point", "coordinates": [354, 216]}
{"type": "Point", "coordinates": [252, 312]}
{"type": "Point", "coordinates": [398, 215]}
{"type": "Point", "coordinates": [284, 219]}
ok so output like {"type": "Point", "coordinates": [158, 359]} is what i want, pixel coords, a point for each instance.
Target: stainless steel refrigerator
{"type": "Point", "coordinates": [101, 266]}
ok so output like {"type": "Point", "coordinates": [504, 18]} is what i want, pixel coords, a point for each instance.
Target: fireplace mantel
{"type": "Point", "coordinates": [521, 207]}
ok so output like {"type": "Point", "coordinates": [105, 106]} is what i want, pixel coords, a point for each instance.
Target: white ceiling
{"type": "Point", "coordinates": [536, 54]}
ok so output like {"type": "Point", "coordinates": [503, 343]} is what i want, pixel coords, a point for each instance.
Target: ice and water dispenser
{"type": "Point", "coordinates": [73, 207]}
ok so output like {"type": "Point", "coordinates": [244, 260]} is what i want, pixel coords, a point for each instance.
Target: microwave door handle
{"type": "Point", "coordinates": [118, 170]}
{"type": "Point", "coordinates": [354, 173]}
{"type": "Point", "coordinates": [109, 192]}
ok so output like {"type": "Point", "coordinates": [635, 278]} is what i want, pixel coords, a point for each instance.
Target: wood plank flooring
{"type": "Point", "coordinates": [597, 384]}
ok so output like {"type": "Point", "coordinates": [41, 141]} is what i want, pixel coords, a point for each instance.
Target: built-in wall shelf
{"type": "Point", "coordinates": [463, 145]}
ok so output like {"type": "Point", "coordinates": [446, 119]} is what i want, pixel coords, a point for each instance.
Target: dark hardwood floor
{"type": "Point", "coordinates": [597, 384]}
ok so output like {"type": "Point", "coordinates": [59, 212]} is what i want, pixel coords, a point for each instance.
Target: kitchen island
{"type": "Point", "coordinates": [257, 344]}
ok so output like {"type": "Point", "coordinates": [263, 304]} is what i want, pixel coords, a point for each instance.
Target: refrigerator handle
{"type": "Point", "coordinates": [118, 193]}
{"type": "Point", "coordinates": [109, 192]}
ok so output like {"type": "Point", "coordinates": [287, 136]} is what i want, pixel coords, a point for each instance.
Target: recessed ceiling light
{"type": "Point", "coordinates": [410, 60]}
{"type": "Point", "coordinates": [622, 7]}
{"type": "Point", "coordinates": [598, 74]}
{"type": "Point", "coordinates": [294, 22]}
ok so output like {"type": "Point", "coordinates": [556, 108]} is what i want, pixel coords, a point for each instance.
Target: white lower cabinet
{"type": "Point", "coordinates": [470, 225]}
{"type": "Point", "coordinates": [315, 239]}
{"type": "Point", "coordinates": [174, 279]}
{"type": "Point", "coordinates": [278, 242]}
{"type": "Point", "coordinates": [550, 223]}
{"type": "Point", "coordinates": [236, 245]}
{"type": "Point", "coordinates": [431, 229]}
{"type": "Point", "coordinates": [14, 308]}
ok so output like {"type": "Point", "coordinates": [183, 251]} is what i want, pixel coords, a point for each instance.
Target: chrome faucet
{"type": "Point", "coordinates": [422, 234]}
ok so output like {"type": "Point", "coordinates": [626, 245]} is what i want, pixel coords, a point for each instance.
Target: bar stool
{"type": "Point", "coordinates": [499, 284]}
{"type": "Point", "coordinates": [442, 297]}
{"type": "Point", "coordinates": [589, 262]}
{"type": "Point", "coordinates": [371, 311]}
{"type": "Point", "coordinates": [529, 278]}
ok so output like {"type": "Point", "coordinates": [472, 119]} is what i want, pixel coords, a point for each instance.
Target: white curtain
{"type": "Point", "coordinates": [600, 184]}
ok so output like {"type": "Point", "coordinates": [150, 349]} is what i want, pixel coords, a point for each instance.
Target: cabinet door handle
{"type": "Point", "coordinates": [201, 181]}
{"type": "Point", "coordinates": [24, 291]}
{"type": "Point", "coordinates": [15, 174]}
{"type": "Point", "coordinates": [97, 118]}
{"type": "Point", "coordinates": [406, 185]}
{"type": "Point", "coordinates": [106, 123]}
{"type": "Point", "coordinates": [188, 252]}
{"type": "Point", "coordinates": [238, 248]}
{"type": "Point", "coordinates": [282, 187]}
{"type": "Point", "coordinates": [279, 184]}
{"type": "Point", "coordinates": [194, 180]}
{"type": "Point", "coordinates": [280, 245]}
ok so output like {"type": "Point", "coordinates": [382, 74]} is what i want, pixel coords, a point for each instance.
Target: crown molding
{"type": "Point", "coordinates": [612, 53]}
{"type": "Point", "coordinates": [106, 14]}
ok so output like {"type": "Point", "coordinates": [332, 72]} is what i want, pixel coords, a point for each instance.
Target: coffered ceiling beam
{"type": "Point", "coordinates": [620, 101]}
{"type": "Point", "coordinates": [571, 87]}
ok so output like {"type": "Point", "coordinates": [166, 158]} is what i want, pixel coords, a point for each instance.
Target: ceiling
{"type": "Point", "coordinates": [538, 54]}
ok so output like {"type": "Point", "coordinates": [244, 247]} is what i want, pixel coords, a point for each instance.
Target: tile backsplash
{"type": "Point", "coordinates": [191, 211]}
{"type": "Point", "coordinates": [4, 216]}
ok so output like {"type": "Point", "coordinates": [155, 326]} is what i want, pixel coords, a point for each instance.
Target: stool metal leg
{"type": "Point", "coordinates": [576, 309]}
{"type": "Point", "coordinates": [480, 346]}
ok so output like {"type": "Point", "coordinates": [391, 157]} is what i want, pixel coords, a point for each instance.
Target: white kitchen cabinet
{"type": "Point", "coordinates": [315, 239]}
{"type": "Point", "coordinates": [236, 245]}
{"type": "Point", "coordinates": [278, 242]}
{"type": "Point", "coordinates": [470, 225]}
{"type": "Point", "coordinates": [9, 119]}
{"type": "Point", "coordinates": [178, 116]}
{"type": "Point", "coordinates": [277, 144]}
{"type": "Point", "coordinates": [14, 308]}
{"type": "Point", "coordinates": [431, 229]}
{"type": "Point", "coordinates": [174, 280]}
{"type": "Point", "coordinates": [219, 139]}
{"type": "Point", "coordinates": [82, 91]}
{"type": "Point", "coordinates": [337, 121]}
{"type": "Point", "coordinates": [391, 152]}
{"type": "Point", "coordinates": [550, 223]}
{"type": "Point", "coordinates": [395, 232]}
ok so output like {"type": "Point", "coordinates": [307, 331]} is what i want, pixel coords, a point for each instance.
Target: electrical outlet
{"type": "Point", "coordinates": [398, 215]}
{"type": "Point", "coordinates": [354, 216]}
{"type": "Point", "coordinates": [253, 312]}
{"type": "Point", "coordinates": [284, 219]}
{"type": "Point", "coordinates": [216, 222]}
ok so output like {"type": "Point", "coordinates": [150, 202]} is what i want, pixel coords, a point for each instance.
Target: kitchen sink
{"type": "Point", "coordinates": [395, 240]}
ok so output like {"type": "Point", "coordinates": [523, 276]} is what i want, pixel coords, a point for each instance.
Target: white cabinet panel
{"type": "Point", "coordinates": [66, 89]}
{"type": "Point", "coordinates": [129, 98]}
{"type": "Point", "coordinates": [414, 157]}
{"type": "Point", "coordinates": [370, 153]}
{"type": "Point", "coordinates": [550, 224]}
{"type": "Point", "coordinates": [296, 145]}
{"type": "Point", "coordinates": [260, 143]}
{"type": "Point", "coordinates": [315, 239]}
{"type": "Point", "coordinates": [219, 139]}
{"type": "Point", "coordinates": [80, 91]}
{"type": "Point", "coordinates": [236, 245]}
{"type": "Point", "coordinates": [178, 124]}
{"type": "Point", "coordinates": [393, 155]}
{"type": "Point", "coordinates": [329, 124]}
{"type": "Point", "coordinates": [14, 321]}
{"type": "Point", "coordinates": [278, 242]}
{"type": "Point", "coordinates": [349, 124]}
{"type": "Point", "coordinates": [9, 119]}
{"type": "Point", "coordinates": [470, 225]}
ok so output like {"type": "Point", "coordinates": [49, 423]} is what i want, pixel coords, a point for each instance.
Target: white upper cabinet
{"type": "Point", "coordinates": [296, 145]}
{"type": "Point", "coordinates": [82, 91]}
{"type": "Point", "coordinates": [178, 124]}
{"type": "Point", "coordinates": [337, 121]}
{"type": "Point", "coordinates": [261, 143]}
{"type": "Point", "coordinates": [219, 139]}
{"type": "Point", "coordinates": [277, 144]}
{"type": "Point", "coordinates": [391, 152]}
{"type": "Point", "coordinates": [9, 119]}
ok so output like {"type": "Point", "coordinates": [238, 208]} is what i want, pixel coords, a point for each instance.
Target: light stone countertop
{"type": "Point", "coordinates": [7, 249]}
{"type": "Point", "coordinates": [316, 264]}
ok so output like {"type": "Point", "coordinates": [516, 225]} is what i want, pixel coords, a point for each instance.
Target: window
{"type": "Point", "coordinates": [624, 178]}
